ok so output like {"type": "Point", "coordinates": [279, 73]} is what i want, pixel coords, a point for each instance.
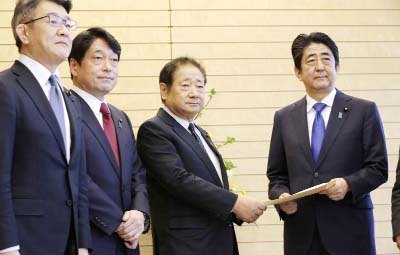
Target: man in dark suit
{"type": "Point", "coordinates": [396, 207]}
{"type": "Point", "coordinates": [192, 209]}
{"type": "Point", "coordinates": [43, 181]}
{"type": "Point", "coordinates": [117, 180]}
{"type": "Point", "coordinates": [327, 135]}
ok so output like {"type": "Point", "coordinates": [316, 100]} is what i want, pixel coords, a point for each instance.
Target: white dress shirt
{"type": "Point", "coordinates": [184, 123]}
{"type": "Point", "coordinates": [93, 102]}
{"type": "Point", "coordinates": [42, 75]}
{"type": "Point", "coordinates": [326, 112]}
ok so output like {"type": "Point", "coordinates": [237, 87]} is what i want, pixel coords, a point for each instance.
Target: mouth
{"type": "Point", "coordinates": [106, 78]}
{"type": "Point", "coordinates": [62, 43]}
{"type": "Point", "coordinates": [194, 104]}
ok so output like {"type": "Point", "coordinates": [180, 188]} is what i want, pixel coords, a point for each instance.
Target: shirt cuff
{"type": "Point", "coordinates": [14, 248]}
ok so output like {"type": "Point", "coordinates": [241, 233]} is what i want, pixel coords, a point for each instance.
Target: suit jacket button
{"type": "Point", "coordinates": [69, 202]}
{"type": "Point", "coordinates": [315, 174]}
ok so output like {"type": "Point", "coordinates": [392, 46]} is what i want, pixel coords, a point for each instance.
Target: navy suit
{"type": "Point", "coordinates": [112, 191]}
{"type": "Point", "coordinates": [190, 209]}
{"type": "Point", "coordinates": [353, 148]}
{"type": "Point", "coordinates": [41, 194]}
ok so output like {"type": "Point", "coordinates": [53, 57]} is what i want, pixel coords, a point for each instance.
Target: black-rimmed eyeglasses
{"type": "Point", "coordinates": [56, 21]}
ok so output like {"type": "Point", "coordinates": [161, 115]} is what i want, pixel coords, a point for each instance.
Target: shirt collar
{"type": "Point", "coordinates": [328, 100]}
{"type": "Point", "coordinates": [93, 102]}
{"type": "Point", "coordinates": [41, 73]}
{"type": "Point", "coordinates": [184, 123]}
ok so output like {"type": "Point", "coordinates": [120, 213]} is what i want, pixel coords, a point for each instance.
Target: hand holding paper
{"type": "Point", "coordinates": [304, 193]}
{"type": "Point", "coordinates": [337, 191]}
{"type": "Point", "coordinates": [289, 207]}
{"type": "Point", "coordinates": [248, 209]}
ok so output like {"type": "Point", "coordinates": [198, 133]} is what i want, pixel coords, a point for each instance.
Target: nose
{"type": "Point", "coordinates": [64, 31]}
{"type": "Point", "coordinates": [320, 64]}
{"type": "Point", "coordinates": [193, 92]}
{"type": "Point", "coordinates": [107, 64]}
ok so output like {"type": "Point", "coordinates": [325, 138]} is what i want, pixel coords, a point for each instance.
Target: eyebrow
{"type": "Point", "coordinates": [323, 54]}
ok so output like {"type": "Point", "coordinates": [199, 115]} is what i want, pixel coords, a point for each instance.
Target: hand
{"type": "Point", "coordinates": [398, 241]}
{"type": "Point", "coordinates": [132, 227]}
{"type": "Point", "coordinates": [11, 253]}
{"type": "Point", "coordinates": [83, 251]}
{"type": "Point", "coordinates": [289, 207]}
{"type": "Point", "coordinates": [337, 191]}
{"type": "Point", "coordinates": [132, 245]}
{"type": "Point", "coordinates": [248, 209]}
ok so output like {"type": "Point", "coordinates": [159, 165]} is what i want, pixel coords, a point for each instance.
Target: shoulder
{"type": "Point", "coordinates": [356, 102]}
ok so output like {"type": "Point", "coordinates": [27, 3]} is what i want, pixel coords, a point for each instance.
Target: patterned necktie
{"type": "Point", "coordinates": [109, 130]}
{"type": "Point", "coordinates": [318, 131]}
{"type": "Point", "coordinates": [57, 105]}
{"type": "Point", "coordinates": [195, 135]}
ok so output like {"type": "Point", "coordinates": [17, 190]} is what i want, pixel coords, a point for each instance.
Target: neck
{"type": "Point", "coordinates": [50, 66]}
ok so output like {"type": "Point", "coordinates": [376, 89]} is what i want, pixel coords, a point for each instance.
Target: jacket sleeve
{"type": "Point", "coordinates": [164, 164]}
{"type": "Point", "coordinates": [8, 228]}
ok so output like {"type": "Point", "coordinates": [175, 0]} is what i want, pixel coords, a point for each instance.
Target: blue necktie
{"type": "Point", "coordinates": [57, 104]}
{"type": "Point", "coordinates": [318, 131]}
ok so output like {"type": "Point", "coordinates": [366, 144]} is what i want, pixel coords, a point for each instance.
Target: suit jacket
{"type": "Point", "coordinates": [190, 207]}
{"type": "Point", "coordinates": [353, 148]}
{"type": "Point", "coordinates": [112, 191]}
{"type": "Point", "coordinates": [396, 203]}
{"type": "Point", "coordinates": [41, 194]}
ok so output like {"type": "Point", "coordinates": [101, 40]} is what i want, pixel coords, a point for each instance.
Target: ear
{"type": "Point", "coordinates": [22, 33]}
{"type": "Point", "coordinates": [297, 72]}
{"type": "Point", "coordinates": [163, 90]}
{"type": "Point", "coordinates": [73, 67]}
{"type": "Point", "coordinates": [337, 68]}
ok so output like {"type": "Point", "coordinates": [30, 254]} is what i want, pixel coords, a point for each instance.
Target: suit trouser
{"type": "Point", "coordinates": [71, 248]}
{"type": "Point", "coordinates": [317, 247]}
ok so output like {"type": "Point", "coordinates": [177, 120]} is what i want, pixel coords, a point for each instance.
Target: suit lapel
{"type": "Point", "coordinates": [29, 83]}
{"type": "Point", "coordinates": [219, 156]}
{"type": "Point", "coordinates": [188, 138]}
{"type": "Point", "coordinates": [91, 122]}
{"type": "Point", "coordinates": [336, 120]}
{"type": "Point", "coordinates": [299, 116]}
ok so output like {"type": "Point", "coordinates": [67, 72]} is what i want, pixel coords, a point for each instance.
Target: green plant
{"type": "Point", "coordinates": [229, 165]}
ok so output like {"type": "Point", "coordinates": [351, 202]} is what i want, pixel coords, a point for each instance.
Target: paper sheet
{"type": "Point", "coordinates": [303, 193]}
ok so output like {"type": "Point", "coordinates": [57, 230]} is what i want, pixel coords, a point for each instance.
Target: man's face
{"type": "Point", "coordinates": [318, 71]}
{"type": "Point", "coordinates": [185, 97]}
{"type": "Point", "coordinates": [97, 73]}
{"type": "Point", "coordinates": [48, 44]}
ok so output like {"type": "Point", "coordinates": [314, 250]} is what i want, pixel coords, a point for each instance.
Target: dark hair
{"type": "Point", "coordinates": [304, 40]}
{"type": "Point", "coordinates": [84, 40]}
{"type": "Point", "coordinates": [168, 71]}
{"type": "Point", "coordinates": [24, 10]}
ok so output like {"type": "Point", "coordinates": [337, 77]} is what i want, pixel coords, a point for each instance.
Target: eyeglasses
{"type": "Point", "coordinates": [57, 21]}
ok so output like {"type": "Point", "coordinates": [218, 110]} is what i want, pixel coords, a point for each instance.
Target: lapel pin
{"type": "Point", "coordinates": [69, 93]}
{"type": "Point", "coordinates": [120, 123]}
{"type": "Point", "coordinates": [345, 109]}
{"type": "Point", "coordinates": [340, 115]}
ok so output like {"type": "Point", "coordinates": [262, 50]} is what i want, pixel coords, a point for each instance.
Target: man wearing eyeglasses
{"type": "Point", "coordinates": [43, 181]}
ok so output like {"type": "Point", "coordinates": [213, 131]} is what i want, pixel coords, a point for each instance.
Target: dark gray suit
{"type": "Point", "coordinates": [353, 148]}
{"type": "Point", "coordinates": [190, 209]}
{"type": "Point", "coordinates": [42, 196]}
{"type": "Point", "coordinates": [396, 204]}
{"type": "Point", "coordinates": [112, 191]}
